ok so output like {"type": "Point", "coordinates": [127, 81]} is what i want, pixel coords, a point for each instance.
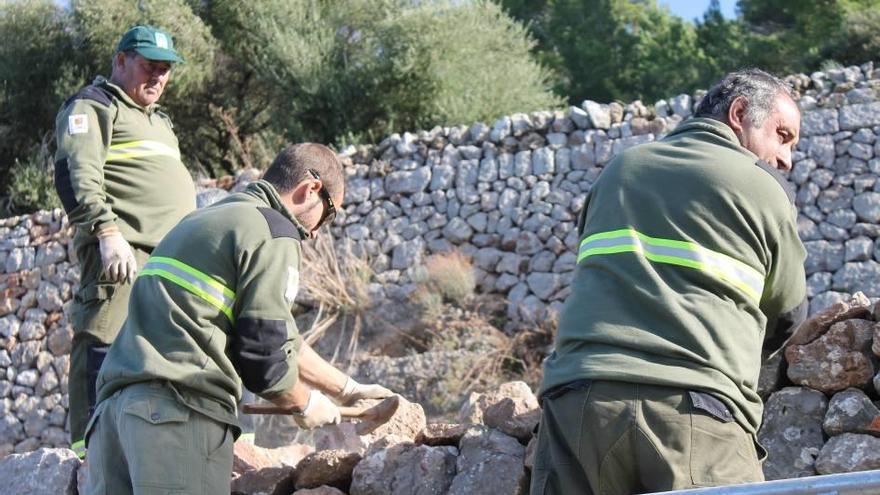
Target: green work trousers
{"type": "Point", "coordinates": [99, 308]}
{"type": "Point", "coordinates": [144, 441]}
{"type": "Point", "coordinates": [617, 438]}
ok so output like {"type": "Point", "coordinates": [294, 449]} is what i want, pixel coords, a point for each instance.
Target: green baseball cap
{"type": "Point", "coordinates": [150, 43]}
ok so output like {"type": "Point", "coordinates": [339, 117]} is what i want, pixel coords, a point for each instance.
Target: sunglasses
{"type": "Point", "coordinates": [330, 210]}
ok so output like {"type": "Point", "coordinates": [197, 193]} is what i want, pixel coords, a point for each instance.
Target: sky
{"type": "Point", "coordinates": [691, 9]}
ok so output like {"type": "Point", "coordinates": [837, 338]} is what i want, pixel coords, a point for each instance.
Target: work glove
{"type": "Point", "coordinates": [354, 391]}
{"type": "Point", "coordinates": [319, 411]}
{"type": "Point", "coordinates": [117, 258]}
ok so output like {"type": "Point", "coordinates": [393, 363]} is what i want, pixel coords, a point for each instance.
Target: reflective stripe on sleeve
{"type": "Point", "coordinates": [191, 279]}
{"type": "Point", "coordinates": [137, 149]}
{"type": "Point", "coordinates": [680, 253]}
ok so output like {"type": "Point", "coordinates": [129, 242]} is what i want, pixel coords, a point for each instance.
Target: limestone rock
{"type": "Point", "coordinates": [266, 481]}
{"type": "Point", "coordinates": [41, 472]}
{"type": "Point", "coordinates": [839, 359]}
{"type": "Point", "coordinates": [516, 417]}
{"type": "Point", "coordinates": [436, 434]}
{"type": "Point", "coordinates": [489, 462]}
{"type": "Point", "coordinates": [326, 467]}
{"type": "Point", "coordinates": [851, 411]}
{"type": "Point", "coordinates": [849, 452]}
{"type": "Point", "coordinates": [405, 469]}
{"type": "Point", "coordinates": [321, 490]}
{"type": "Point", "coordinates": [858, 306]}
{"type": "Point", "coordinates": [792, 432]}
{"type": "Point", "coordinates": [249, 457]}
{"type": "Point", "coordinates": [408, 421]}
{"type": "Point", "coordinates": [770, 376]}
{"type": "Point", "coordinates": [473, 410]}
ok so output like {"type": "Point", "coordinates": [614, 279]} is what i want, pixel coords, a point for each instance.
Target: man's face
{"type": "Point", "coordinates": [143, 80]}
{"type": "Point", "coordinates": [317, 215]}
{"type": "Point", "coordinates": [774, 140]}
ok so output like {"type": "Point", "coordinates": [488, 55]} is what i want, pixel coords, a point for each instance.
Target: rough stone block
{"type": "Point", "coordinates": [851, 411]}
{"type": "Point", "coordinates": [849, 452]}
{"type": "Point", "coordinates": [817, 324]}
{"type": "Point", "coordinates": [792, 432]}
{"type": "Point", "coordinates": [840, 359]}
{"type": "Point", "coordinates": [326, 467]}
{"type": "Point", "coordinates": [41, 472]}
{"type": "Point", "coordinates": [489, 462]}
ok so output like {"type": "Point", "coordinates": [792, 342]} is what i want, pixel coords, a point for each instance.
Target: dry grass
{"type": "Point", "coordinates": [336, 280]}
{"type": "Point", "coordinates": [451, 275]}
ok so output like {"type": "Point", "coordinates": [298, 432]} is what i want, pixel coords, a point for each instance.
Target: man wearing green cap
{"type": "Point", "coordinates": [120, 178]}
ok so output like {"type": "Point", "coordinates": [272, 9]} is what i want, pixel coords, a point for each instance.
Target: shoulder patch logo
{"type": "Point", "coordinates": [161, 40]}
{"type": "Point", "coordinates": [77, 124]}
{"type": "Point", "coordinates": [292, 284]}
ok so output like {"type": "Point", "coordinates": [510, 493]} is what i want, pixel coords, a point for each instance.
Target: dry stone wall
{"type": "Point", "coordinates": [506, 194]}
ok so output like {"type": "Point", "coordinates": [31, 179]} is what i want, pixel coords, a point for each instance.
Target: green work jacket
{"type": "Point", "coordinates": [688, 255]}
{"type": "Point", "coordinates": [118, 163]}
{"type": "Point", "coordinates": [211, 310]}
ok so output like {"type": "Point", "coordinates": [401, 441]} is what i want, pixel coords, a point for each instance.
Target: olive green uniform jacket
{"type": "Point", "coordinates": [119, 163]}
{"type": "Point", "coordinates": [211, 310]}
{"type": "Point", "coordinates": [688, 256]}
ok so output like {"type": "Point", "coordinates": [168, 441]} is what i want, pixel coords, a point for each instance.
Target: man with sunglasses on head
{"type": "Point", "coordinates": [211, 312]}
{"type": "Point", "coordinates": [120, 178]}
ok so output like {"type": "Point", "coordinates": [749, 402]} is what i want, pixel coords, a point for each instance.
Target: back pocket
{"type": "Point", "coordinates": [157, 438]}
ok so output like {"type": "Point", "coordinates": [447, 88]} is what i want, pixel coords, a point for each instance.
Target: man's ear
{"type": "Point", "coordinates": [736, 114]}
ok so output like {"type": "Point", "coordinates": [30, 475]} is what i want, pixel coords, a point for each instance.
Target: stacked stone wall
{"type": "Point", "coordinates": [505, 194]}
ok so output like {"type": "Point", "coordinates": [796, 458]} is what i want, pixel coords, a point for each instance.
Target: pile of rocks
{"type": "Point", "coordinates": [37, 279]}
{"type": "Point", "coordinates": [824, 419]}
{"type": "Point", "coordinates": [487, 451]}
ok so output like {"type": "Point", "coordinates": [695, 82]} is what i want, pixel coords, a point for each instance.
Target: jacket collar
{"type": "Point", "coordinates": [723, 135]}
{"type": "Point", "coordinates": [122, 95]}
{"type": "Point", "coordinates": [267, 193]}
{"type": "Point", "coordinates": [717, 129]}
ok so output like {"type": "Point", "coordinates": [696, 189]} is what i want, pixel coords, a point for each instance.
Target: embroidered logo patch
{"type": "Point", "coordinates": [292, 284]}
{"type": "Point", "coordinates": [161, 40]}
{"type": "Point", "coordinates": [78, 124]}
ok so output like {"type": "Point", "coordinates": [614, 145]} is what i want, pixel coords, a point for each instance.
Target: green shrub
{"type": "Point", "coordinates": [31, 186]}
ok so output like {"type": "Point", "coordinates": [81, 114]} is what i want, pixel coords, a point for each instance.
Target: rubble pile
{"type": "Point", "coordinates": [820, 416]}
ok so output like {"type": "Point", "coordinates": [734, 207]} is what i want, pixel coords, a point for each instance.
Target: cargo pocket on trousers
{"type": "Point", "coordinates": [157, 438]}
{"type": "Point", "coordinates": [90, 313]}
{"type": "Point", "coordinates": [721, 452]}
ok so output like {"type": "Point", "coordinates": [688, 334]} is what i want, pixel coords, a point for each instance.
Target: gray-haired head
{"type": "Point", "coordinates": [759, 88]}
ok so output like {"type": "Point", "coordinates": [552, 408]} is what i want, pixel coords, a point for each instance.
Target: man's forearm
{"type": "Point", "coordinates": [297, 396]}
{"type": "Point", "coordinates": [317, 372]}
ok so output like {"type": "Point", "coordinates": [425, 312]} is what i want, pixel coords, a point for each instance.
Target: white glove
{"type": "Point", "coordinates": [319, 411]}
{"type": "Point", "coordinates": [354, 391]}
{"type": "Point", "coordinates": [117, 258]}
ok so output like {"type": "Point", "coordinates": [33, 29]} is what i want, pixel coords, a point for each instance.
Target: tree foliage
{"type": "Point", "coordinates": [263, 72]}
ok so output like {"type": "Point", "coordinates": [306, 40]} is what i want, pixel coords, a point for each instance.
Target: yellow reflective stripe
{"type": "Point", "coordinates": [194, 272]}
{"type": "Point", "coordinates": [674, 252]}
{"type": "Point", "coordinates": [79, 448]}
{"type": "Point", "coordinates": [194, 281]}
{"type": "Point", "coordinates": [136, 149]}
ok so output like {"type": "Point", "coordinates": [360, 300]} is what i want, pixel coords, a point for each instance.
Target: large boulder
{"type": "Point", "coordinates": [858, 306]}
{"type": "Point", "coordinates": [405, 469]}
{"type": "Point", "coordinates": [792, 432]}
{"type": "Point", "coordinates": [41, 472]}
{"type": "Point", "coordinates": [851, 411]}
{"type": "Point", "coordinates": [326, 467]}
{"type": "Point", "coordinates": [849, 452]}
{"type": "Point", "coordinates": [266, 481]}
{"type": "Point", "coordinates": [474, 408]}
{"type": "Point", "coordinates": [515, 416]}
{"type": "Point", "coordinates": [490, 462]}
{"type": "Point", "coordinates": [840, 359]}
